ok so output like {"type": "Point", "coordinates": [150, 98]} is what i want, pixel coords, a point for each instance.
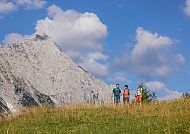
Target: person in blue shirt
{"type": "Point", "coordinates": [116, 93]}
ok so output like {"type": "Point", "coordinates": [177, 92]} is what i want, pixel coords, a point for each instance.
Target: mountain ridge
{"type": "Point", "coordinates": [36, 72]}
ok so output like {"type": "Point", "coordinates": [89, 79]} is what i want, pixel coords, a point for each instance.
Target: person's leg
{"type": "Point", "coordinates": [118, 100]}
{"type": "Point", "coordinates": [127, 100]}
{"type": "Point", "coordinates": [115, 102]}
{"type": "Point", "coordinates": [135, 101]}
{"type": "Point", "coordinates": [124, 100]}
{"type": "Point", "coordinates": [140, 101]}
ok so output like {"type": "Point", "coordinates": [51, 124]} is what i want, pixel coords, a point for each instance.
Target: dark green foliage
{"type": "Point", "coordinates": [148, 96]}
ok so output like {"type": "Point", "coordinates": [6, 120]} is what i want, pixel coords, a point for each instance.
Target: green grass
{"type": "Point", "coordinates": [157, 118]}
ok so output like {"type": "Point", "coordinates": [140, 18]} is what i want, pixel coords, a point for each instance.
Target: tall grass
{"type": "Point", "coordinates": [157, 118]}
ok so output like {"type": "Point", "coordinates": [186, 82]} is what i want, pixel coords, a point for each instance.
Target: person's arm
{"type": "Point", "coordinates": [112, 93]}
{"type": "Point", "coordinates": [129, 92]}
{"type": "Point", "coordinates": [135, 93]}
{"type": "Point", "coordinates": [141, 92]}
{"type": "Point", "coordinates": [120, 92]}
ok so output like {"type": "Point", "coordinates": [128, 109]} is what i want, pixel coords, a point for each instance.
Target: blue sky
{"type": "Point", "coordinates": [120, 41]}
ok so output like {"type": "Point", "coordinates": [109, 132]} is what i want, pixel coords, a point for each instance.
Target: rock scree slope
{"type": "Point", "coordinates": [36, 72]}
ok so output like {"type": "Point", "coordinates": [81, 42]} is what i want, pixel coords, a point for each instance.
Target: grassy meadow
{"type": "Point", "coordinates": [155, 118]}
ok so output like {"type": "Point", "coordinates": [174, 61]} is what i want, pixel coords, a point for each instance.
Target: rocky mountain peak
{"type": "Point", "coordinates": [36, 73]}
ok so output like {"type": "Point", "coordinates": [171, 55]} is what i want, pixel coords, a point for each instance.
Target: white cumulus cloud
{"type": "Point", "coordinates": [162, 91]}
{"type": "Point", "coordinates": [14, 37]}
{"type": "Point", "coordinates": [32, 4]}
{"type": "Point", "coordinates": [119, 77]}
{"type": "Point", "coordinates": [79, 35]}
{"type": "Point", "coordinates": [186, 9]}
{"type": "Point", "coordinates": [6, 6]}
{"type": "Point", "coordinates": [151, 57]}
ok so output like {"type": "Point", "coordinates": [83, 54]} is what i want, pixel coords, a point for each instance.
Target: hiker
{"type": "Point", "coordinates": [126, 95]}
{"type": "Point", "coordinates": [116, 93]}
{"type": "Point", "coordinates": [138, 95]}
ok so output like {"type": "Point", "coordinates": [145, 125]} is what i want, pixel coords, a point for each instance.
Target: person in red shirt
{"type": "Point", "coordinates": [126, 95]}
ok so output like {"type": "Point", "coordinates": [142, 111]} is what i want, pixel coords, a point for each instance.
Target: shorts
{"type": "Point", "coordinates": [116, 100]}
{"type": "Point", "coordinates": [125, 99]}
{"type": "Point", "coordinates": [138, 98]}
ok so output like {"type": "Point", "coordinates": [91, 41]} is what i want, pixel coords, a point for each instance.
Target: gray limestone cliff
{"type": "Point", "coordinates": [36, 73]}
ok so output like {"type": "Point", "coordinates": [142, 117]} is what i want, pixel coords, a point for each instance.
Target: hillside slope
{"type": "Point", "coordinates": [155, 118]}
